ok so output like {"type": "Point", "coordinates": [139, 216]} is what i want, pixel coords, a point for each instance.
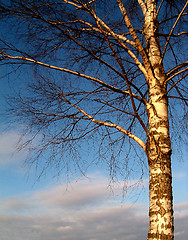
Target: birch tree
{"type": "Point", "coordinates": [109, 70]}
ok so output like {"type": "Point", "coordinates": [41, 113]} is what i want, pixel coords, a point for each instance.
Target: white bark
{"type": "Point", "coordinates": [159, 145]}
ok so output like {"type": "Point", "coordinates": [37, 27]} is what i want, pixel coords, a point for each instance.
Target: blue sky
{"type": "Point", "coordinates": [86, 208]}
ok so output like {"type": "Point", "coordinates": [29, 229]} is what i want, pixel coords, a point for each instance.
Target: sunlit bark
{"type": "Point", "coordinates": [159, 144]}
{"type": "Point", "coordinates": [159, 160]}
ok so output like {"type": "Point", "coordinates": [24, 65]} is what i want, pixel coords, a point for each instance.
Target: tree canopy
{"type": "Point", "coordinates": [101, 56]}
{"type": "Point", "coordinates": [105, 73]}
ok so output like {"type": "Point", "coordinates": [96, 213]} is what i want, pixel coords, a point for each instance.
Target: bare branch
{"type": "Point", "coordinates": [177, 20]}
{"type": "Point", "coordinates": [132, 31]}
{"type": "Point", "coordinates": [171, 71]}
{"type": "Point", "coordinates": [92, 28]}
{"type": "Point", "coordinates": [143, 6]}
{"type": "Point", "coordinates": [176, 83]}
{"type": "Point", "coordinates": [175, 16]}
{"type": "Point", "coordinates": [111, 32]}
{"type": "Point", "coordinates": [86, 49]}
{"type": "Point", "coordinates": [68, 34]}
{"type": "Point", "coordinates": [177, 73]}
{"type": "Point", "coordinates": [122, 37]}
{"type": "Point", "coordinates": [128, 84]}
{"type": "Point", "coordinates": [72, 3]}
{"type": "Point", "coordinates": [172, 35]}
{"type": "Point", "coordinates": [112, 125]}
{"type": "Point", "coordinates": [6, 56]}
{"type": "Point", "coordinates": [160, 7]}
{"type": "Point", "coordinates": [181, 98]}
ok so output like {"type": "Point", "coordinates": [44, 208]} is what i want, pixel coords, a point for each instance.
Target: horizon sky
{"type": "Point", "coordinates": [86, 208]}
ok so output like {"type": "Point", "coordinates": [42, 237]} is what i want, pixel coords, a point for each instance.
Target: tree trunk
{"type": "Point", "coordinates": [158, 143]}
{"type": "Point", "coordinates": [159, 160]}
{"type": "Point", "coordinates": [160, 193]}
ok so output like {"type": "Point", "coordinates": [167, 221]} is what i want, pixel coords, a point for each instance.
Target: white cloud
{"type": "Point", "coordinates": [179, 233]}
{"type": "Point", "coordinates": [87, 210]}
{"type": "Point", "coordinates": [15, 204]}
{"type": "Point", "coordinates": [181, 210]}
{"type": "Point", "coordinates": [107, 223]}
{"type": "Point", "coordinates": [181, 206]}
{"type": "Point", "coordinates": [64, 228]}
{"type": "Point", "coordinates": [78, 194]}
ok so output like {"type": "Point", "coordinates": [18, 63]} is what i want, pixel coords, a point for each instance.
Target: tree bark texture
{"type": "Point", "coordinates": [160, 183]}
{"type": "Point", "coordinates": [158, 143]}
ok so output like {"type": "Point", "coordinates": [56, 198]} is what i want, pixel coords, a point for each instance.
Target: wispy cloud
{"type": "Point", "coordinates": [8, 153]}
